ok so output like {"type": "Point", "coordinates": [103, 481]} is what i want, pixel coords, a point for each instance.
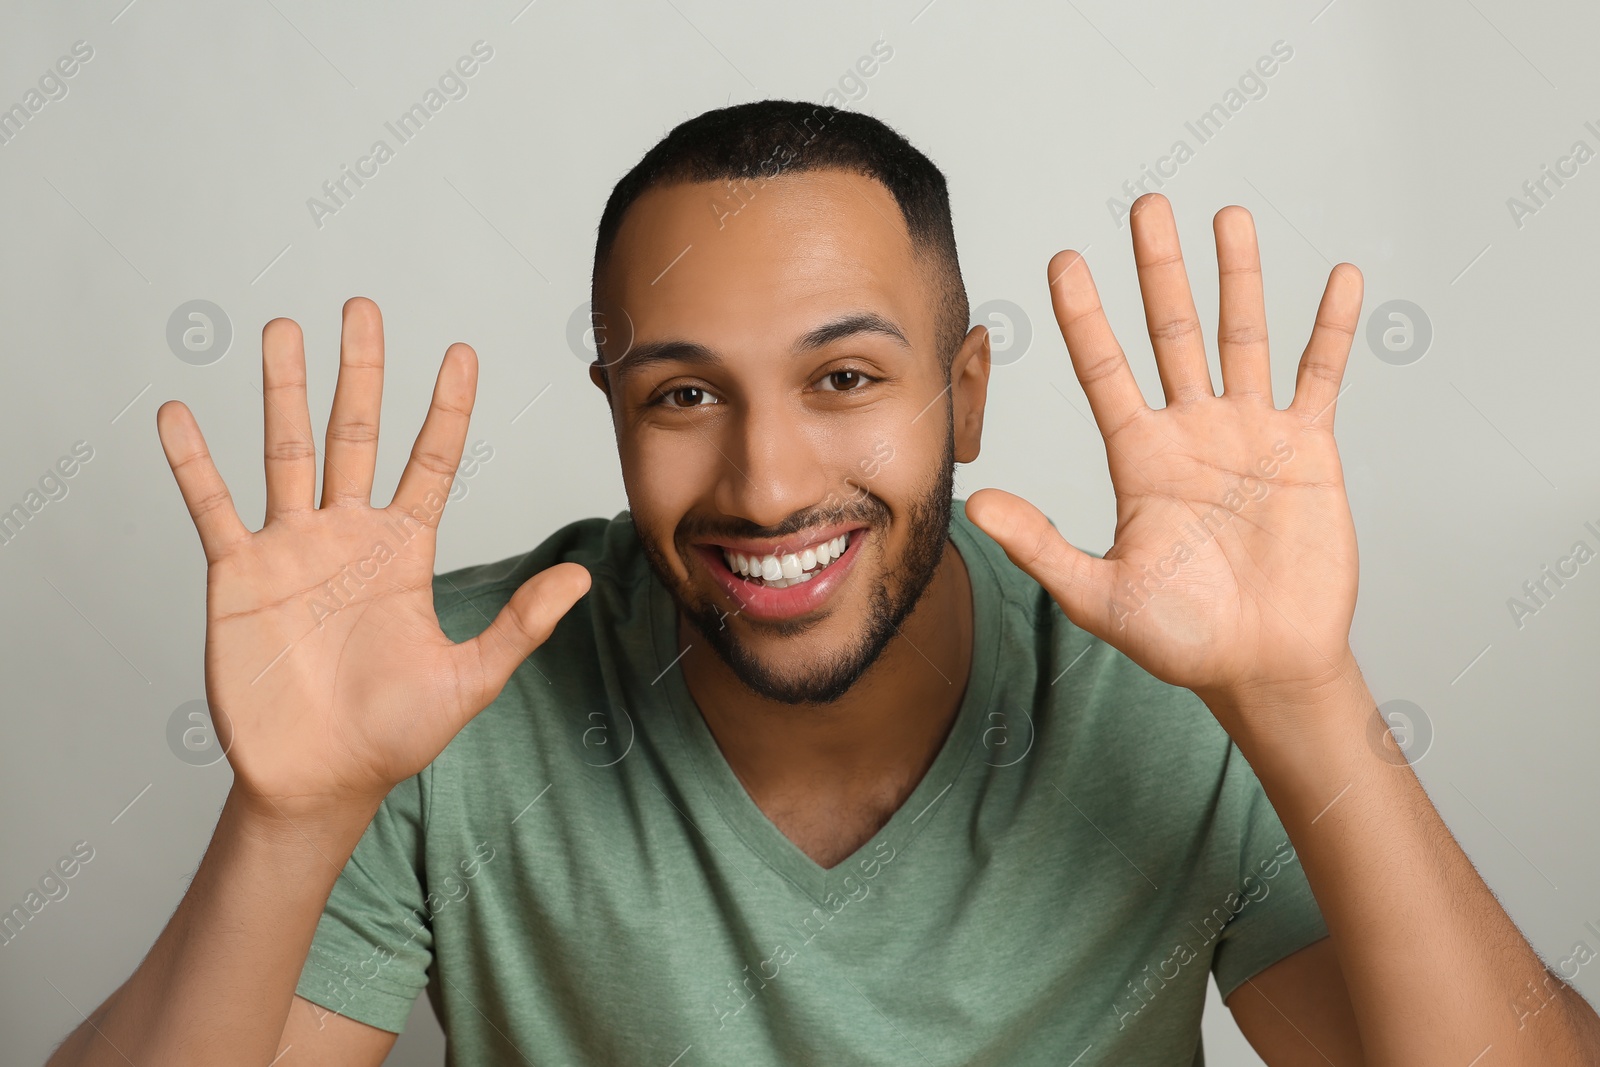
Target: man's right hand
{"type": "Point", "coordinates": [327, 675]}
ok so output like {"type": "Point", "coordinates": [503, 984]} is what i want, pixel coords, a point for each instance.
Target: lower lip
{"type": "Point", "coordinates": [765, 602]}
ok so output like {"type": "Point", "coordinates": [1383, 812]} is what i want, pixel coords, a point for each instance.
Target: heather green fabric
{"type": "Point", "coordinates": [580, 878]}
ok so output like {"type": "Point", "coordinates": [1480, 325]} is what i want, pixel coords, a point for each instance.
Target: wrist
{"type": "Point", "coordinates": [1314, 717]}
{"type": "Point", "coordinates": [325, 827]}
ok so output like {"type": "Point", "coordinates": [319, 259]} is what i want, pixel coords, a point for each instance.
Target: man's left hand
{"type": "Point", "coordinates": [1233, 570]}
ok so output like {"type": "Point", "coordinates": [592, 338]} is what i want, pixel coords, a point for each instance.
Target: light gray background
{"type": "Point", "coordinates": [178, 168]}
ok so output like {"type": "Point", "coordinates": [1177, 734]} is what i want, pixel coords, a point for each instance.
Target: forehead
{"type": "Point", "coordinates": [755, 263]}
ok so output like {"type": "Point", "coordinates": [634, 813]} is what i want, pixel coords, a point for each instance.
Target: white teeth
{"type": "Point", "coordinates": [792, 568]}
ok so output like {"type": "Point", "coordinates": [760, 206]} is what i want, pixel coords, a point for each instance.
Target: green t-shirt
{"type": "Point", "coordinates": [580, 877]}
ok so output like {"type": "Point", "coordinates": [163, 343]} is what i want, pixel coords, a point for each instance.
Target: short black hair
{"type": "Point", "coordinates": [746, 144]}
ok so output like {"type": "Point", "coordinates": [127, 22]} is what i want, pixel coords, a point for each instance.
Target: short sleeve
{"type": "Point", "coordinates": [1273, 911]}
{"type": "Point", "coordinates": [374, 942]}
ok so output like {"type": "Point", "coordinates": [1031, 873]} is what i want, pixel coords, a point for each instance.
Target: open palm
{"type": "Point", "coordinates": [1234, 560]}
{"type": "Point", "coordinates": [326, 671]}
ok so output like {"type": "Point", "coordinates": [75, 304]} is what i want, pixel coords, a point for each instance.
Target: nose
{"type": "Point", "coordinates": [772, 463]}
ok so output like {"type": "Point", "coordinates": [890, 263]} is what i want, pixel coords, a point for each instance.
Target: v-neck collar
{"type": "Point", "coordinates": [740, 811]}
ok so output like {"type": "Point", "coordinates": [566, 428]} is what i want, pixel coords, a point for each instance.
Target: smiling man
{"type": "Point", "coordinates": [799, 759]}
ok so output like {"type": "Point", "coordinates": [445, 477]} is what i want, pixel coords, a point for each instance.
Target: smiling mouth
{"type": "Point", "coordinates": [791, 568]}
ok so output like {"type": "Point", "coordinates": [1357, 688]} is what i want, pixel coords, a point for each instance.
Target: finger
{"type": "Point", "coordinates": [521, 626]}
{"type": "Point", "coordinates": [1242, 311]}
{"type": "Point", "coordinates": [204, 492]}
{"type": "Point", "coordinates": [1097, 359]}
{"type": "Point", "coordinates": [425, 483]}
{"type": "Point", "coordinates": [1168, 307]}
{"type": "Point", "coordinates": [1077, 581]}
{"type": "Point", "coordinates": [351, 451]}
{"type": "Point", "coordinates": [1316, 385]}
{"type": "Point", "coordinates": [290, 454]}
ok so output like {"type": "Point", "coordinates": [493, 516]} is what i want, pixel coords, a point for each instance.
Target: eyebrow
{"type": "Point", "coordinates": [864, 322]}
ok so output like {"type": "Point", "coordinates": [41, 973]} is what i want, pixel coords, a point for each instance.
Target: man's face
{"type": "Point", "coordinates": [782, 419]}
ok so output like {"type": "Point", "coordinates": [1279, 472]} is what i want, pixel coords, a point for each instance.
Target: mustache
{"type": "Point", "coordinates": [869, 511]}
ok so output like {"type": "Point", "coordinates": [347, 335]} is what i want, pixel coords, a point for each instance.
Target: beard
{"type": "Point", "coordinates": [828, 676]}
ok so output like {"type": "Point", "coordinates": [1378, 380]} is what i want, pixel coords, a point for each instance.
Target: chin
{"type": "Point", "coordinates": [809, 675]}
{"type": "Point", "coordinates": [872, 609]}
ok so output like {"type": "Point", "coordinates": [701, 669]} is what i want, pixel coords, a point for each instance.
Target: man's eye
{"type": "Point", "coordinates": [685, 396]}
{"type": "Point", "coordinates": [842, 381]}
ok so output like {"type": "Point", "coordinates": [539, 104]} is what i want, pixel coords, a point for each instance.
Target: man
{"type": "Point", "coordinates": [821, 770]}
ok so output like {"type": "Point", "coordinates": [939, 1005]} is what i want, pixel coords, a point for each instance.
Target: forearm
{"type": "Point", "coordinates": [217, 985]}
{"type": "Point", "coordinates": [1436, 970]}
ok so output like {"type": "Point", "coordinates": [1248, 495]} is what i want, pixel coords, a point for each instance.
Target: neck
{"type": "Point", "coordinates": [876, 741]}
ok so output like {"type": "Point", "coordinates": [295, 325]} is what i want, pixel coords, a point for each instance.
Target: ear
{"type": "Point", "coordinates": [597, 375]}
{"type": "Point", "coordinates": [969, 390]}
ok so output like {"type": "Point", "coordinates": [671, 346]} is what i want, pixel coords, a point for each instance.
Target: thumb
{"type": "Point", "coordinates": [522, 626]}
{"type": "Point", "coordinates": [1076, 580]}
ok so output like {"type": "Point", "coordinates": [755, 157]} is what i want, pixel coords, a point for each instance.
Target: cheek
{"type": "Point", "coordinates": [666, 476]}
{"type": "Point", "coordinates": [911, 466]}
{"type": "Point", "coordinates": [672, 461]}
{"type": "Point", "coordinates": [898, 463]}
{"type": "Point", "coordinates": [663, 470]}
{"type": "Point", "coordinates": [862, 449]}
